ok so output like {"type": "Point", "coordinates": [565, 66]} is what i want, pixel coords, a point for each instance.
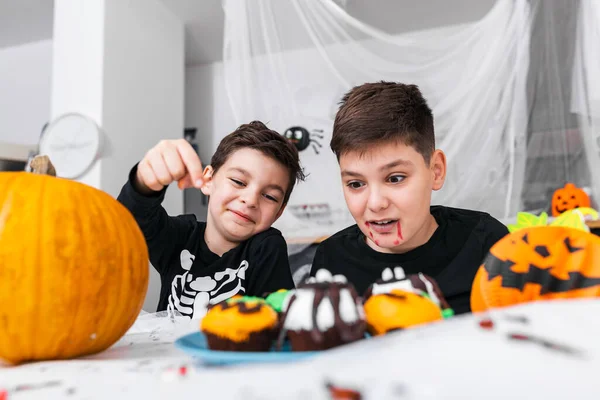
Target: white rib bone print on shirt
{"type": "Point", "coordinates": [191, 295]}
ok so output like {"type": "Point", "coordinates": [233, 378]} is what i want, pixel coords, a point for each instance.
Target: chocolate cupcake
{"type": "Point", "coordinates": [420, 284]}
{"type": "Point", "coordinates": [240, 324]}
{"type": "Point", "coordinates": [322, 313]}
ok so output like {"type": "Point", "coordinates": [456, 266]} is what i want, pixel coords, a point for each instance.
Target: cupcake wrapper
{"type": "Point", "coordinates": [303, 340]}
{"type": "Point", "coordinates": [257, 341]}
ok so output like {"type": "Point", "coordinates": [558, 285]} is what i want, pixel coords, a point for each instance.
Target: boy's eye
{"type": "Point", "coordinates": [355, 184]}
{"type": "Point", "coordinates": [271, 198]}
{"type": "Point", "coordinates": [237, 182]}
{"type": "Point", "coordinates": [396, 178]}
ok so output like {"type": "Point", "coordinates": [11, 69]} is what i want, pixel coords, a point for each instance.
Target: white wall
{"type": "Point", "coordinates": [77, 66]}
{"type": "Point", "coordinates": [144, 71]}
{"type": "Point", "coordinates": [206, 107]}
{"type": "Point", "coordinates": [25, 76]}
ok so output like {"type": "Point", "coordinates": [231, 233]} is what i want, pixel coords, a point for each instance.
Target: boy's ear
{"type": "Point", "coordinates": [207, 178]}
{"type": "Point", "coordinates": [438, 169]}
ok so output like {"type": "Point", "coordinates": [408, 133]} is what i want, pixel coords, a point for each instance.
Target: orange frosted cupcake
{"type": "Point", "coordinates": [240, 324]}
{"type": "Point", "coordinates": [415, 283]}
{"type": "Point", "coordinates": [399, 309]}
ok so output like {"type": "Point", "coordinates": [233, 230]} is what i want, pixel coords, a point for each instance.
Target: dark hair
{"type": "Point", "coordinates": [257, 136]}
{"type": "Point", "coordinates": [375, 113]}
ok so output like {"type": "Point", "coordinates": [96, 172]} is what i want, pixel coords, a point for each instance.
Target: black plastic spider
{"type": "Point", "coordinates": [302, 138]}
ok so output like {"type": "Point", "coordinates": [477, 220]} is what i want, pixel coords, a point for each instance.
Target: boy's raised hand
{"type": "Point", "coordinates": [169, 161]}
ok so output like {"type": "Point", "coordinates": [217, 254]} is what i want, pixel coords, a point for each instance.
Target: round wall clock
{"type": "Point", "coordinates": [72, 142]}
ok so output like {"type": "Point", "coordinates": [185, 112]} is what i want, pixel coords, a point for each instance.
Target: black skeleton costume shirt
{"type": "Point", "coordinates": [192, 276]}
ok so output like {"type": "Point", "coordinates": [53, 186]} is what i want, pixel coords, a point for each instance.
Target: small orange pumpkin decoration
{"type": "Point", "coordinates": [73, 268]}
{"type": "Point", "coordinates": [567, 198]}
{"type": "Point", "coordinates": [538, 263]}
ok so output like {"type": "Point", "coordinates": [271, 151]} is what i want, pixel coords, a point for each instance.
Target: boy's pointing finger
{"type": "Point", "coordinates": [192, 162]}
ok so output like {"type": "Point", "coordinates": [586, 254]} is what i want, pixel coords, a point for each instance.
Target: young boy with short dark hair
{"type": "Point", "coordinates": [236, 251]}
{"type": "Point", "coordinates": [383, 138]}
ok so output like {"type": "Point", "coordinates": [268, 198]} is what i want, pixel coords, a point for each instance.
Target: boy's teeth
{"type": "Point", "coordinates": [383, 222]}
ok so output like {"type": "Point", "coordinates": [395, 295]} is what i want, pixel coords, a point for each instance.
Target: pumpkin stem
{"type": "Point", "coordinates": [42, 165]}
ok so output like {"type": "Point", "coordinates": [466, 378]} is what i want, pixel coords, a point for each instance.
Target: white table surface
{"type": "Point", "coordinates": [454, 359]}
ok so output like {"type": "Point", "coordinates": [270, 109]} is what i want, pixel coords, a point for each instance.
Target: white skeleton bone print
{"type": "Point", "coordinates": [191, 295]}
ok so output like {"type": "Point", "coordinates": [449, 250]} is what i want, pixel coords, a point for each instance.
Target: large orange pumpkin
{"type": "Point", "coordinates": [538, 263]}
{"type": "Point", "coordinates": [567, 198]}
{"type": "Point", "coordinates": [73, 268]}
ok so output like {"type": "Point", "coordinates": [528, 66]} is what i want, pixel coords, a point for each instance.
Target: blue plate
{"type": "Point", "coordinates": [195, 345]}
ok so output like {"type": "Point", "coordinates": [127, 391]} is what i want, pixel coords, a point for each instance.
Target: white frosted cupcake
{"type": "Point", "coordinates": [322, 313]}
